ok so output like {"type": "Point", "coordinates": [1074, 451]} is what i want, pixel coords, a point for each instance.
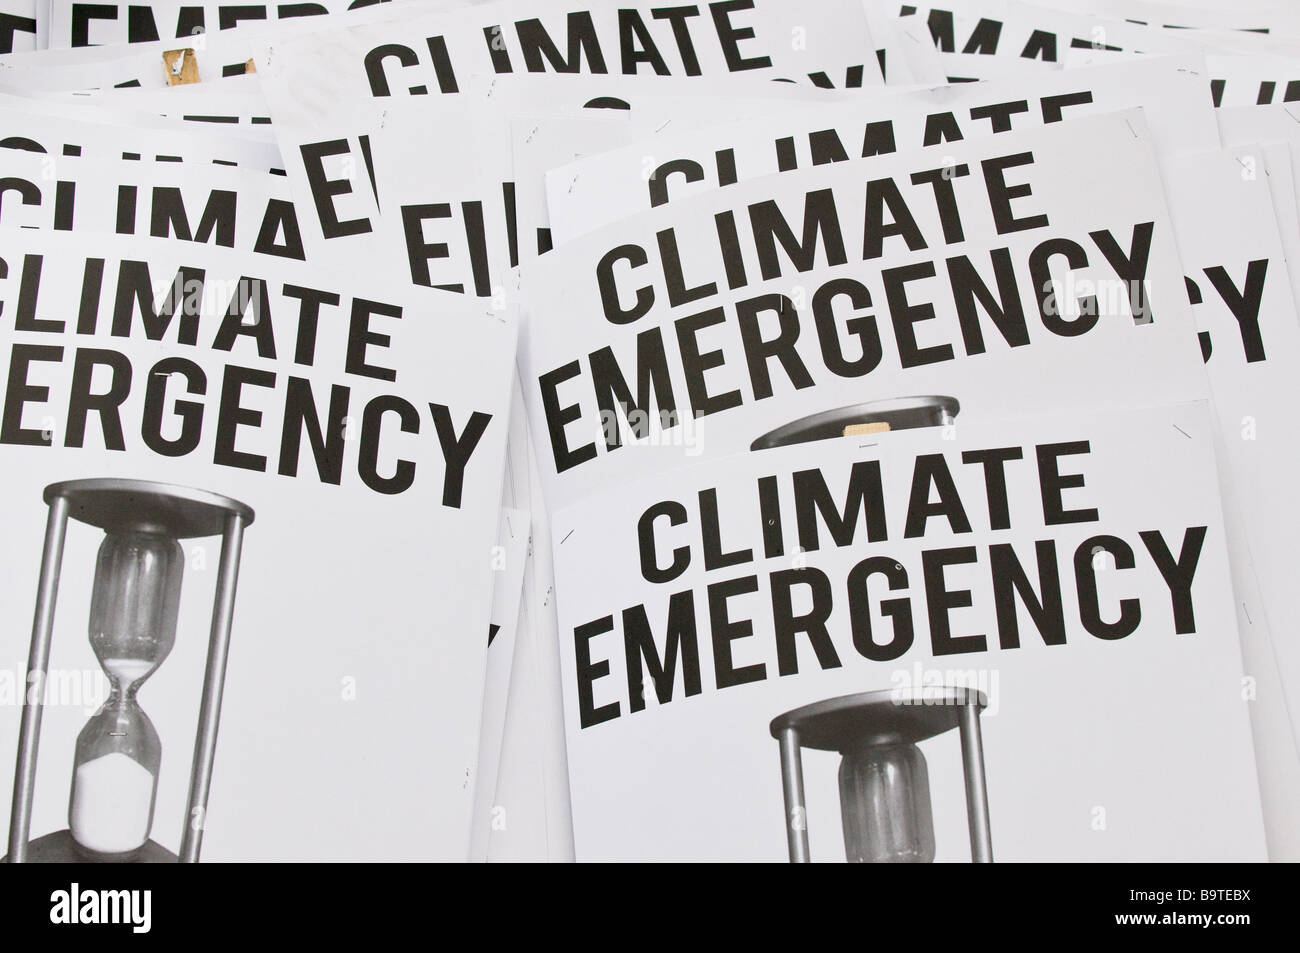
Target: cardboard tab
{"type": "Point", "coordinates": [874, 426]}
{"type": "Point", "coordinates": [181, 67]}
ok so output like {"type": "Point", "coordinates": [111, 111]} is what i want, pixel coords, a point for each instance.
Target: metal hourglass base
{"type": "Point", "coordinates": [60, 848]}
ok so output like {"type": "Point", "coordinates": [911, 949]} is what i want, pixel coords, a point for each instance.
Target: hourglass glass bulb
{"type": "Point", "coordinates": [885, 805]}
{"type": "Point", "coordinates": [133, 608]}
{"type": "Point", "coordinates": [134, 603]}
{"type": "Point", "coordinates": [114, 781]}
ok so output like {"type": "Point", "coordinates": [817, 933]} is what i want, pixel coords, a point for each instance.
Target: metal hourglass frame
{"type": "Point", "coordinates": [115, 506]}
{"type": "Point", "coordinates": [876, 721]}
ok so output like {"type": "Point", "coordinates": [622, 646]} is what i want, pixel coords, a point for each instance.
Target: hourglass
{"type": "Point", "coordinates": [873, 416]}
{"type": "Point", "coordinates": [884, 784]}
{"type": "Point", "coordinates": [134, 602]}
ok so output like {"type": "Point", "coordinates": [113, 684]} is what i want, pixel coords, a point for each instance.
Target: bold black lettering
{"type": "Point", "coordinates": [995, 480]}
{"type": "Point", "coordinates": [1049, 305]}
{"type": "Point", "coordinates": [1001, 194]}
{"type": "Point", "coordinates": [323, 189]}
{"type": "Point", "coordinates": [681, 644]}
{"type": "Point", "coordinates": [537, 44]}
{"type": "Point", "coordinates": [861, 326]}
{"type": "Point", "coordinates": [1052, 482]}
{"type": "Point", "coordinates": [614, 312]}
{"type": "Point", "coordinates": [1132, 266]}
{"type": "Point", "coordinates": [725, 632]}
{"type": "Point", "coordinates": [645, 534]}
{"type": "Point", "coordinates": [231, 415]}
{"type": "Point", "coordinates": [864, 503]}
{"type": "Point", "coordinates": [81, 402]}
{"type": "Point", "coordinates": [905, 315]}
{"type": "Point", "coordinates": [931, 470]}
{"type": "Point", "coordinates": [614, 396]}
{"type": "Point", "coordinates": [361, 337]}
{"type": "Point", "coordinates": [248, 314]}
{"type": "Point", "coordinates": [695, 363]}
{"type": "Point", "coordinates": [729, 36]}
{"type": "Point", "coordinates": [588, 671]}
{"type": "Point", "coordinates": [19, 393]}
{"type": "Point", "coordinates": [190, 412]}
{"type": "Point", "coordinates": [1011, 581]}
{"type": "Point", "coordinates": [898, 611]}
{"type": "Point", "coordinates": [135, 294]}
{"type": "Point", "coordinates": [1178, 573]}
{"type": "Point", "coordinates": [326, 439]}
{"type": "Point", "coordinates": [372, 421]}
{"type": "Point", "coordinates": [883, 194]}
{"type": "Point", "coordinates": [786, 624]}
{"type": "Point", "coordinates": [940, 600]}
{"type": "Point", "coordinates": [759, 352]}
{"type": "Point", "coordinates": [456, 449]}
{"type": "Point", "coordinates": [970, 294]}
{"type": "Point", "coordinates": [1244, 304]}
{"type": "Point", "coordinates": [820, 220]}
{"type": "Point", "coordinates": [558, 417]}
{"type": "Point", "coordinates": [1085, 576]}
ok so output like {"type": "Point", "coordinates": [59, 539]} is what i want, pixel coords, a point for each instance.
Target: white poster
{"type": "Point", "coordinates": [218, 53]}
{"type": "Point", "coordinates": [1238, 282]}
{"type": "Point", "coordinates": [234, 102]}
{"type": "Point", "coordinates": [457, 207]}
{"type": "Point", "coordinates": [361, 437]}
{"type": "Point", "coordinates": [530, 826]}
{"type": "Point", "coordinates": [583, 195]}
{"type": "Point", "coordinates": [738, 634]}
{"type": "Point", "coordinates": [1254, 80]}
{"type": "Point", "coordinates": [74, 23]}
{"type": "Point", "coordinates": [1183, 16]}
{"type": "Point", "coordinates": [1263, 140]}
{"type": "Point", "coordinates": [509, 557]}
{"type": "Point", "coordinates": [978, 39]}
{"type": "Point", "coordinates": [1001, 275]}
{"type": "Point", "coordinates": [248, 211]}
{"type": "Point", "coordinates": [329, 93]}
{"type": "Point", "coordinates": [77, 130]}
{"type": "Point", "coordinates": [531, 819]}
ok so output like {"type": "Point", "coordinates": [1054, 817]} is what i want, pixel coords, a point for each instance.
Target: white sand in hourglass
{"type": "Point", "coordinates": [129, 670]}
{"type": "Point", "coordinates": [112, 797]}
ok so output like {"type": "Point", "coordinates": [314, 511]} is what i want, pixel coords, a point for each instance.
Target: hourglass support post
{"type": "Point", "coordinates": [977, 796]}
{"type": "Point", "coordinates": [796, 813]}
{"type": "Point", "coordinates": [38, 660]}
{"type": "Point", "coordinates": [214, 678]}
